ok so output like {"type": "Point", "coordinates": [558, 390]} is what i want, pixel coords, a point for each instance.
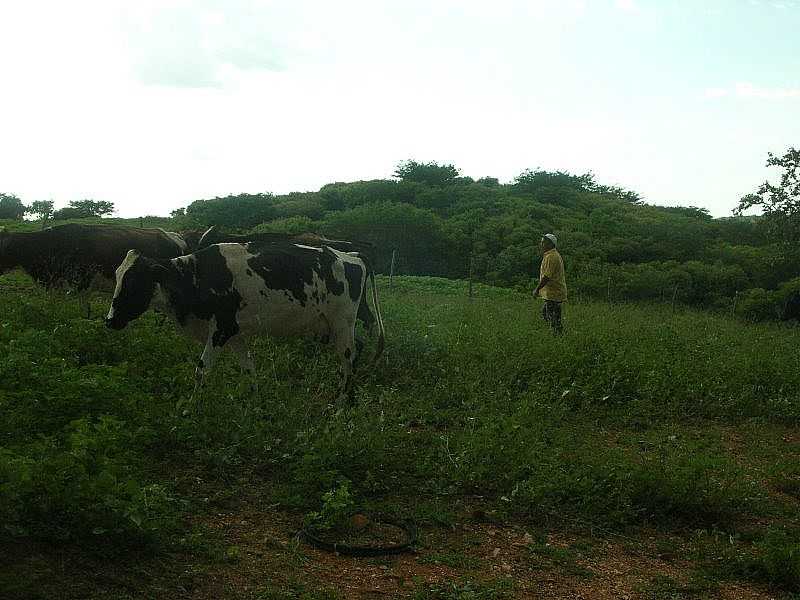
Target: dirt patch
{"type": "Point", "coordinates": [266, 555]}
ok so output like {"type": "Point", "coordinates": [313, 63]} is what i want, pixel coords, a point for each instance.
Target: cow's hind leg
{"type": "Point", "coordinates": [345, 343]}
{"type": "Point", "coordinates": [359, 343]}
{"type": "Point", "coordinates": [246, 364]}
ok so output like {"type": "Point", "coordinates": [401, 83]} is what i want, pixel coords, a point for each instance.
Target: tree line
{"type": "Point", "coordinates": [616, 247]}
{"type": "Point", "coordinates": [438, 222]}
{"type": "Point", "coordinates": [12, 208]}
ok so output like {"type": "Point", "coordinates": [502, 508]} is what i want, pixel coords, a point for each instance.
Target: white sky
{"type": "Point", "coordinates": [154, 104]}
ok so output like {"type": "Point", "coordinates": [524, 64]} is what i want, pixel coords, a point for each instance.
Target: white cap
{"type": "Point", "coordinates": [552, 238]}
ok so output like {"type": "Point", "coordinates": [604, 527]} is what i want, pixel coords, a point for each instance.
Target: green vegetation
{"type": "Point", "coordinates": [640, 416]}
{"type": "Point", "coordinates": [81, 209]}
{"type": "Point", "coordinates": [648, 416]}
{"type": "Point", "coordinates": [780, 202]}
{"type": "Point", "coordinates": [11, 207]}
{"type": "Point", "coordinates": [337, 508]}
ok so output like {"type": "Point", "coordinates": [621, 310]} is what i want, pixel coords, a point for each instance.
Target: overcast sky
{"type": "Point", "coordinates": [153, 104]}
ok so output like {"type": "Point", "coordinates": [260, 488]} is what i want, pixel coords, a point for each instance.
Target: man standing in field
{"type": "Point", "coordinates": [552, 285]}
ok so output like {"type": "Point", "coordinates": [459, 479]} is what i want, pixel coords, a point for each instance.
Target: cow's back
{"type": "Point", "coordinates": [105, 246]}
{"type": "Point", "coordinates": [214, 236]}
{"type": "Point", "coordinates": [76, 252]}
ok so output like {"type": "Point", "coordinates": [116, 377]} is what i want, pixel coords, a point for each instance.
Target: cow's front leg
{"type": "Point", "coordinates": [207, 360]}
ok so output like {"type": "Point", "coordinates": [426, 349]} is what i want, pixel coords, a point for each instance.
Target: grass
{"type": "Point", "coordinates": [637, 417]}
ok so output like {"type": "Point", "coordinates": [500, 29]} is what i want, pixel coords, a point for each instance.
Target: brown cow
{"type": "Point", "coordinates": [74, 254]}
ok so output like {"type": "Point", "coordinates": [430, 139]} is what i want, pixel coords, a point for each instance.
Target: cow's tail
{"type": "Point", "coordinates": [378, 317]}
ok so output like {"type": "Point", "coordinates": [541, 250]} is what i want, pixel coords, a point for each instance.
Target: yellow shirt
{"type": "Point", "coordinates": [553, 268]}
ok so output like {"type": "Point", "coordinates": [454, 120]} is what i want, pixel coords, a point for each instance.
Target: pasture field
{"type": "Point", "coordinates": [645, 454]}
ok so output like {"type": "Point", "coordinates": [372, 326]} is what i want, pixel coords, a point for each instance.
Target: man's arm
{"type": "Point", "coordinates": [542, 282]}
{"type": "Point", "coordinates": [545, 272]}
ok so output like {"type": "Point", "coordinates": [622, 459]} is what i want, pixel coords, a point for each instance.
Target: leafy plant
{"type": "Point", "coordinates": [337, 508]}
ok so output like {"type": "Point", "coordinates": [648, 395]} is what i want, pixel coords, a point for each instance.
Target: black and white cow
{"type": "Point", "coordinates": [365, 250]}
{"type": "Point", "coordinates": [226, 292]}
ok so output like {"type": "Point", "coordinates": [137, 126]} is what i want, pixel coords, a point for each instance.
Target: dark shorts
{"type": "Point", "coordinates": [551, 312]}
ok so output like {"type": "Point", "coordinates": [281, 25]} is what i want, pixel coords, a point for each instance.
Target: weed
{"type": "Point", "coordinates": [465, 590]}
{"type": "Point", "coordinates": [564, 559]}
{"type": "Point", "coordinates": [337, 508]}
{"type": "Point", "coordinates": [455, 560]}
{"type": "Point", "coordinates": [295, 591]}
{"type": "Point", "coordinates": [776, 560]}
{"type": "Point", "coordinates": [663, 587]}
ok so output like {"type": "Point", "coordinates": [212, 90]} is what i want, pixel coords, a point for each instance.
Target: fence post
{"type": "Point", "coordinates": [470, 275]}
{"type": "Point", "coordinates": [391, 268]}
{"type": "Point", "coordinates": [608, 289]}
{"type": "Point", "coordinates": [674, 296]}
{"type": "Point", "coordinates": [735, 300]}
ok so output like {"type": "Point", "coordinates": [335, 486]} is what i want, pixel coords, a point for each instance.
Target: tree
{"type": "Point", "coordinates": [554, 187]}
{"type": "Point", "coordinates": [93, 208]}
{"type": "Point", "coordinates": [43, 209]}
{"type": "Point", "coordinates": [62, 214]}
{"type": "Point", "coordinates": [85, 209]}
{"type": "Point", "coordinates": [538, 180]}
{"type": "Point", "coordinates": [240, 211]}
{"type": "Point", "coordinates": [415, 233]}
{"type": "Point", "coordinates": [11, 207]}
{"type": "Point", "coordinates": [431, 173]}
{"type": "Point", "coordinates": [780, 203]}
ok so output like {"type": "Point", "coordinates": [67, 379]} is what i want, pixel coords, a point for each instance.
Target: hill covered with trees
{"type": "Point", "coordinates": [615, 246]}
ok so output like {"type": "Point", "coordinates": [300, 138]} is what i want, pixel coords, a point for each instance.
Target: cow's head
{"type": "Point", "coordinates": [137, 277]}
{"type": "Point", "coordinates": [192, 238]}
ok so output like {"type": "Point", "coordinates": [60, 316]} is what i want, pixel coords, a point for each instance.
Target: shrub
{"type": "Point", "coordinates": [86, 486]}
